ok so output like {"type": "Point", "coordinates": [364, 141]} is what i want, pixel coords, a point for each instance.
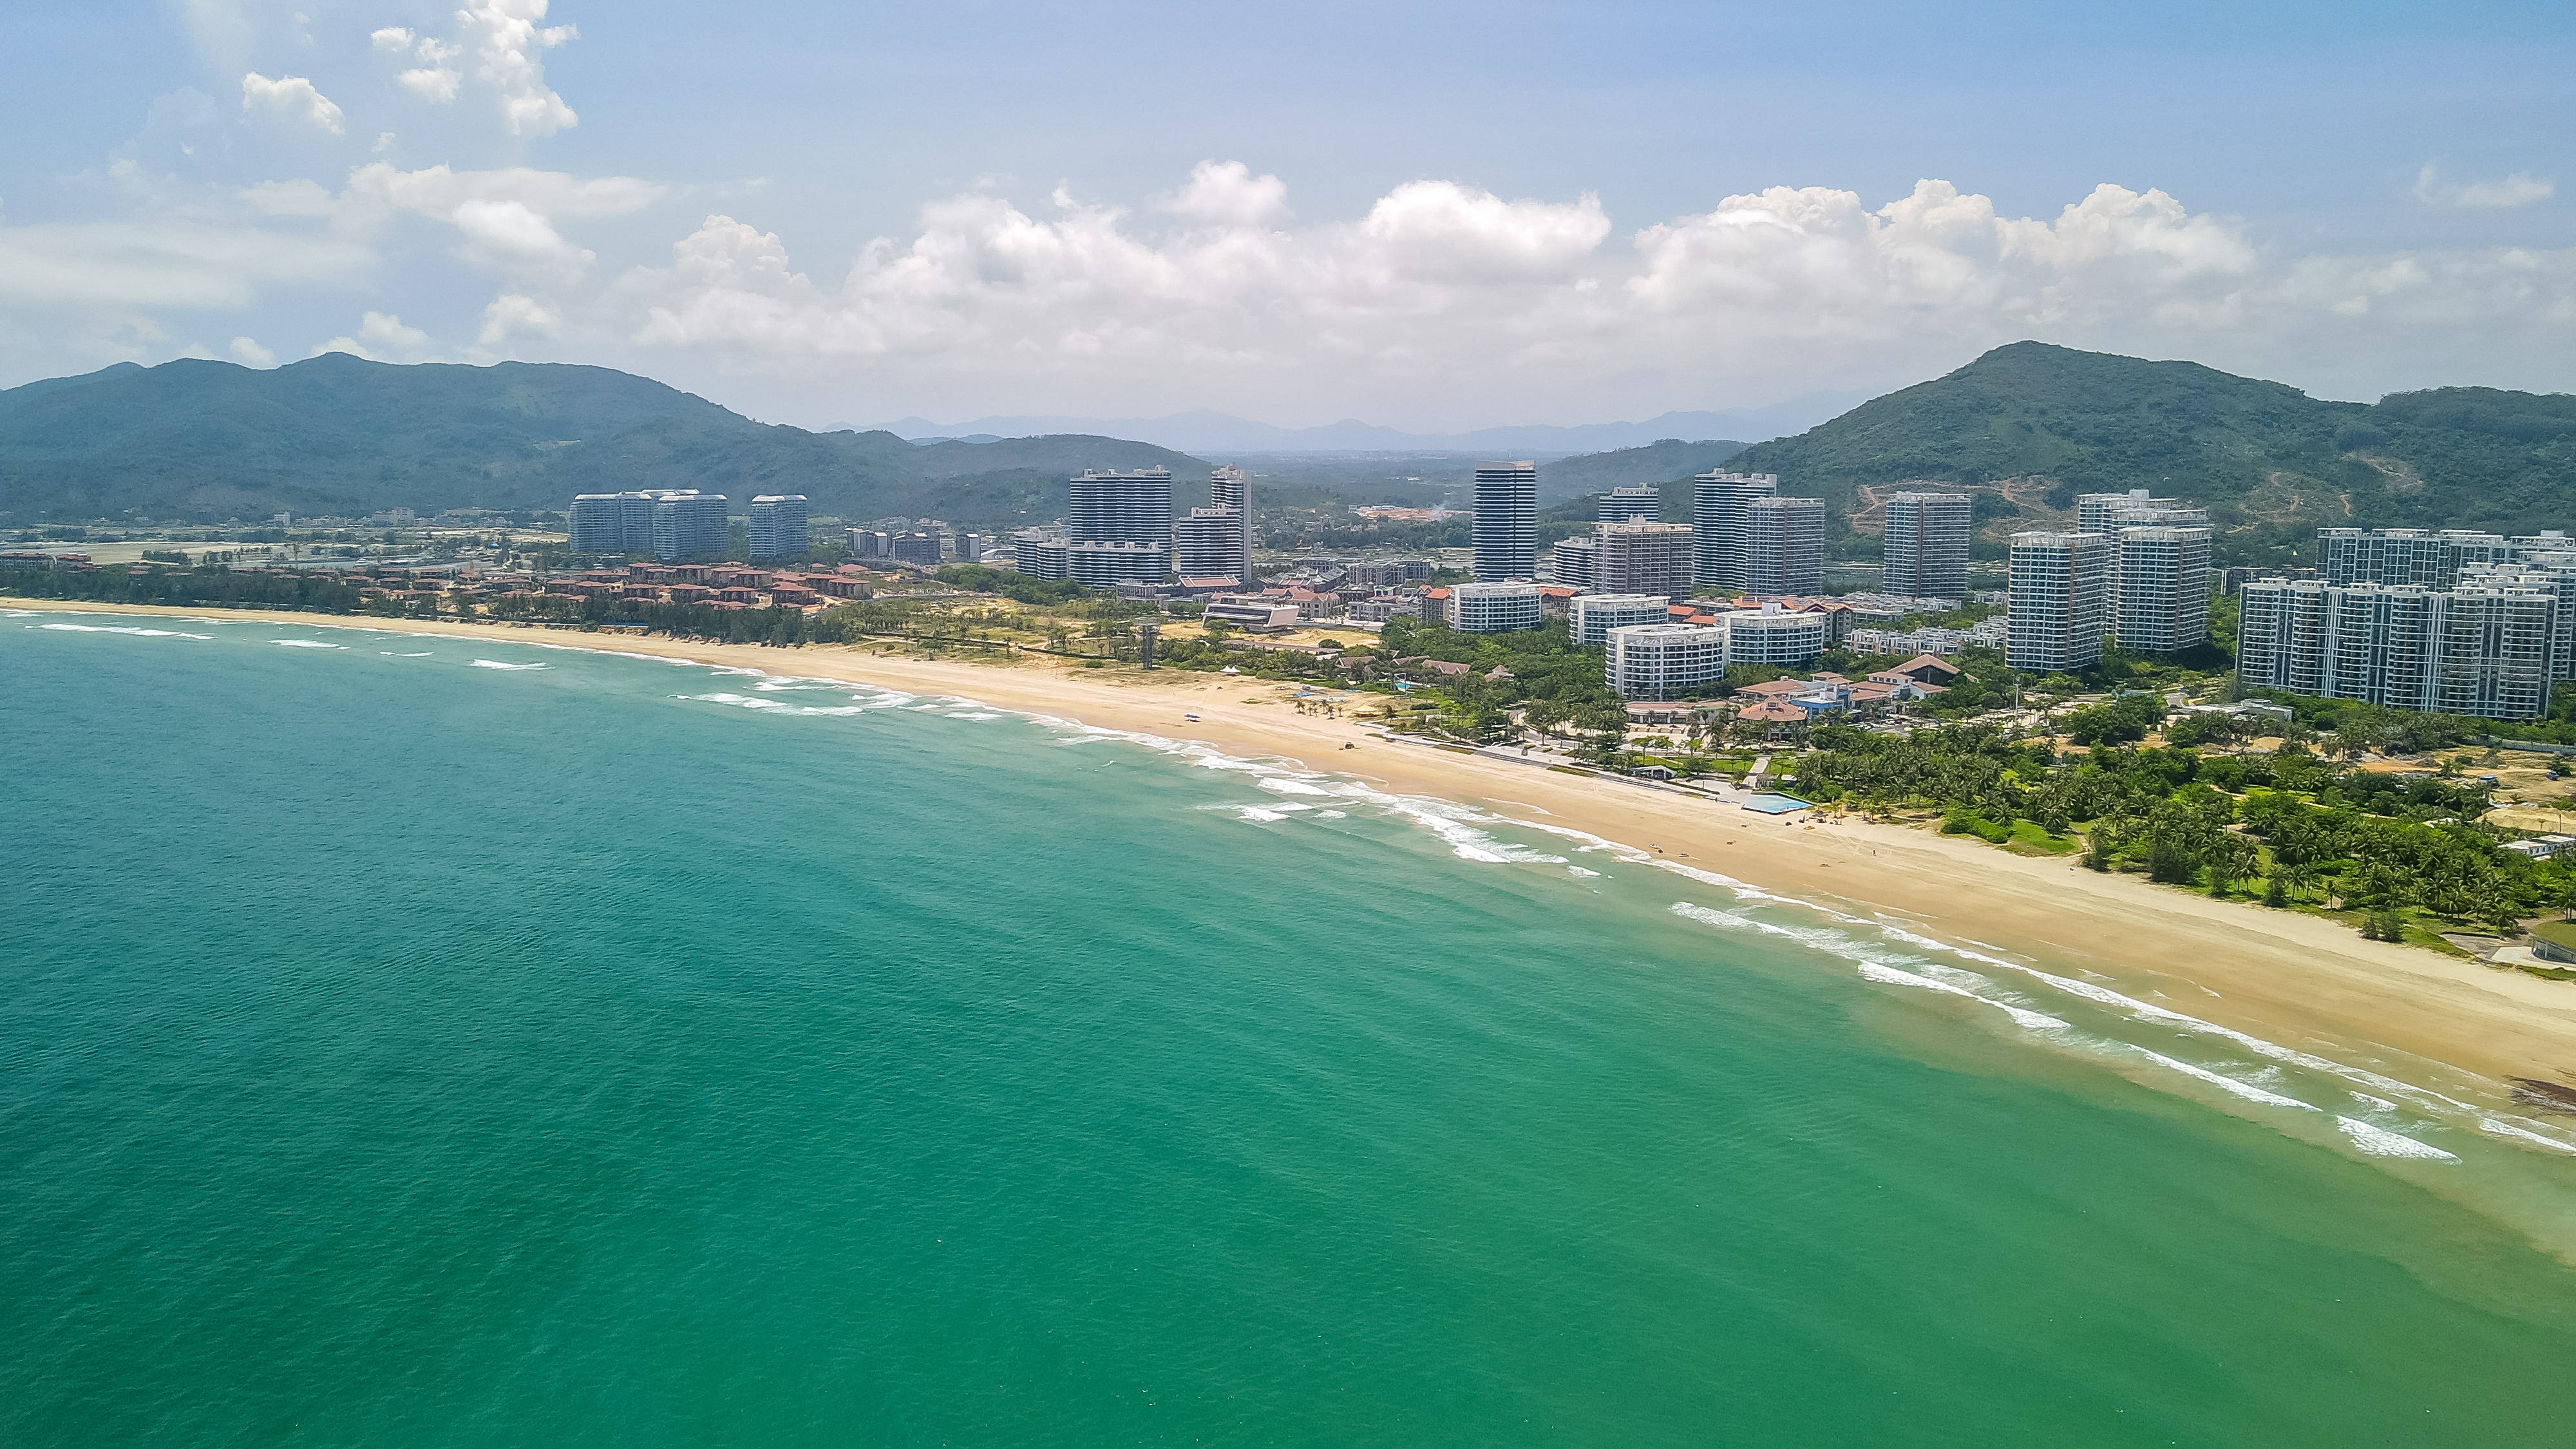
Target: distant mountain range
{"type": "Point", "coordinates": [1220, 434]}
{"type": "Point", "coordinates": [2025, 427]}
{"type": "Point", "coordinates": [339, 435]}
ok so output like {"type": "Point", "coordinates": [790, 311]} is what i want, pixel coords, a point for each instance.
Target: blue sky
{"type": "Point", "coordinates": [1433, 216]}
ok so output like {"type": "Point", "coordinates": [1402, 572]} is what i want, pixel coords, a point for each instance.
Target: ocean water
{"type": "Point", "coordinates": [454, 1041]}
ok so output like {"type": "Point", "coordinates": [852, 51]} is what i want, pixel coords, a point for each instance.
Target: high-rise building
{"type": "Point", "coordinates": [2396, 556]}
{"type": "Point", "coordinates": [688, 524]}
{"type": "Point", "coordinates": [619, 522]}
{"type": "Point", "coordinates": [1664, 661]}
{"type": "Point", "coordinates": [1641, 504]}
{"type": "Point", "coordinates": [1041, 554]}
{"type": "Point", "coordinates": [1720, 525]}
{"type": "Point", "coordinates": [594, 525]}
{"type": "Point", "coordinates": [1105, 565]}
{"type": "Point", "coordinates": [1118, 507]}
{"type": "Point", "coordinates": [2479, 649]}
{"type": "Point", "coordinates": [1506, 529]}
{"type": "Point", "coordinates": [1643, 558]}
{"type": "Point", "coordinates": [1591, 617]}
{"type": "Point", "coordinates": [1576, 561]}
{"type": "Point", "coordinates": [1784, 551]}
{"type": "Point", "coordinates": [915, 548]}
{"type": "Point", "coordinates": [2102, 512]}
{"type": "Point", "coordinates": [1927, 545]}
{"type": "Point", "coordinates": [778, 526]}
{"type": "Point", "coordinates": [1228, 488]}
{"type": "Point", "coordinates": [2060, 600]}
{"type": "Point", "coordinates": [1493, 607]}
{"type": "Point", "coordinates": [2552, 573]}
{"type": "Point", "coordinates": [1209, 544]}
{"type": "Point", "coordinates": [2160, 588]}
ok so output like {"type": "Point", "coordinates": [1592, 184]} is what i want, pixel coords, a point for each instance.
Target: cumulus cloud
{"type": "Point", "coordinates": [248, 352]}
{"type": "Point", "coordinates": [1438, 283]}
{"type": "Point", "coordinates": [505, 219]}
{"type": "Point", "coordinates": [291, 96]}
{"type": "Point", "coordinates": [508, 46]}
{"type": "Point", "coordinates": [509, 49]}
{"type": "Point", "coordinates": [512, 316]}
{"type": "Point", "coordinates": [382, 337]}
{"type": "Point", "coordinates": [2519, 189]}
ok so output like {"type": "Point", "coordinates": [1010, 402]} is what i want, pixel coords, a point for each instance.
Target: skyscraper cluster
{"type": "Point", "coordinates": [2134, 568]}
{"type": "Point", "coordinates": [669, 523]}
{"type": "Point", "coordinates": [2453, 622]}
{"type": "Point", "coordinates": [1746, 538]}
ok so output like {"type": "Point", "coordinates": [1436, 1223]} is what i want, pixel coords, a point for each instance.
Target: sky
{"type": "Point", "coordinates": [1430, 216]}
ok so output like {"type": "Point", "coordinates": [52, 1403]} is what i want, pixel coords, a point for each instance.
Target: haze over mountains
{"type": "Point", "coordinates": [2024, 427]}
{"type": "Point", "coordinates": [1222, 433]}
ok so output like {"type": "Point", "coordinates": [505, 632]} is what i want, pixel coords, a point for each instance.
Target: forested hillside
{"type": "Point", "coordinates": [337, 434]}
{"type": "Point", "coordinates": [2029, 426]}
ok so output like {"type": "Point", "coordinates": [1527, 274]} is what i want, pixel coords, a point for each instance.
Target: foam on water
{"type": "Point", "coordinates": [2496, 1127]}
{"type": "Point", "coordinates": [138, 633]}
{"type": "Point", "coordinates": [2380, 1142]}
{"type": "Point", "coordinates": [305, 644]}
{"type": "Point", "coordinates": [2228, 1084]}
{"type": "Point", "coordinates": [389, 654]}
{"type": "Point", "coordinates": [497, 664]}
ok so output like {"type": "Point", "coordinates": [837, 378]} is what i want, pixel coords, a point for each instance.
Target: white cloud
{"type": "Point", "coordinates": [125, 266]}
{"type": "Point", "coordinates": [1440, 290]}
{"type": "Point", "coordinates": [292, 96]}
{"type": "Point", "coordinates": [511, 236]}
{"type": "Point", "coordinates": [392, 40]}
{"type": "Point", "coordinates": [509, 51]}
{"type": "Point", "coordinates": [439, 190]}
{"type": "Point", "coordinates": [382, 337]}
{"type": "Point", "coordinates": [248, 352]}
{"type": "Point", "coordinates": [1228, 194]}
{"type": "Point", "coordinates": [2519, 189]}
{"type": "Point", "coordinates": [511, 316]}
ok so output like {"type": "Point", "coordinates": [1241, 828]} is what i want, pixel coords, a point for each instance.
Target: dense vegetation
{"type": "Point", "coordinates": [2287, 826]}
{"type": "Point", "coordinates": [338, 435]}
{"type": "Point", "coordinates": [2272, 463]}
{"type": "Point", "coordinates": [206, 587]}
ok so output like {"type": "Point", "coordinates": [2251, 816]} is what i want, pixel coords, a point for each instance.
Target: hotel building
{"type": "Point", "coordinates": [1506, 523]}
{"type": "Point", "coordinates": [1493, 608]}
{"type": "Point", "coordinates": [1591, 617]}
{"type": "Point", "coordinates": [1664, 661]}
{"type": "Point", "coordinates": [778, 528]}
{"type": "Point", "coordinates": [2060, 600]}
{"type": "Point", "coordinates": [1927, 545]}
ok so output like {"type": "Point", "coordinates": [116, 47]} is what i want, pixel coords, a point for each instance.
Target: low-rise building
{"type": "Point", "coordinates": [1593, 616]}
{"type": "Point", "coordinates": [1664, 661]}
{"type": "Point", "coordinates": [1493, 608]}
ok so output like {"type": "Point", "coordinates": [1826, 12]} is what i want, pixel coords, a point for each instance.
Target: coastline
{"type": "Point", "coordinates": [2283, 976]}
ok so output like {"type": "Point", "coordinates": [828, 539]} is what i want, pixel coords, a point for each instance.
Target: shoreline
{"type": "Point", "coordinates": [2290, 978]}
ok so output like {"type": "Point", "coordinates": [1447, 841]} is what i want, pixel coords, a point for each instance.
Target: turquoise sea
{"type": "Point", "coordinates": [456, 1041]}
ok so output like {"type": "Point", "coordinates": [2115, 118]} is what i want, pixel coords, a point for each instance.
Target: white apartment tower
{"type": "Point", "coordinates": [1591, 617]}
{"type": "Point", "coordinates": [1506, 527]}
{"type": "Point", "coordinates": [1641, 558]}
{"type": "Point", "coordinates": [1784, 550]}
{"type": "Point", "coordinates": [1927, 545]}
{"type": "Point", "coordinates": [1664, 661]}
{"type": "Point", "coordinates": [778, 528]}
{"type": "Point", "coordinates": [2061, 592]}
{"type": "Point", "coordinates": [2481, 649]}
{"type": "Point", "coordinates": [1641, 504]}
{"type": "Point", "coordinates": [1721, 526]}
{"type": "Point", "coordinates": [2160, 588]}
{"type": "Point", "coordinates": [1116, 507]}
{"type": "Point", "coordinates": [1493, 608]}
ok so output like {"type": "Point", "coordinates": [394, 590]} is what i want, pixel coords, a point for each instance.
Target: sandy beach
{"type": "Point", "coordinates": [2286, 977]}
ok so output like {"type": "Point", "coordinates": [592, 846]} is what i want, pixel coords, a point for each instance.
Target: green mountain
{"type": "Point", "coordinates": [339, 435]}
{"type": "Point", "coordinates": [2029, 426]}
